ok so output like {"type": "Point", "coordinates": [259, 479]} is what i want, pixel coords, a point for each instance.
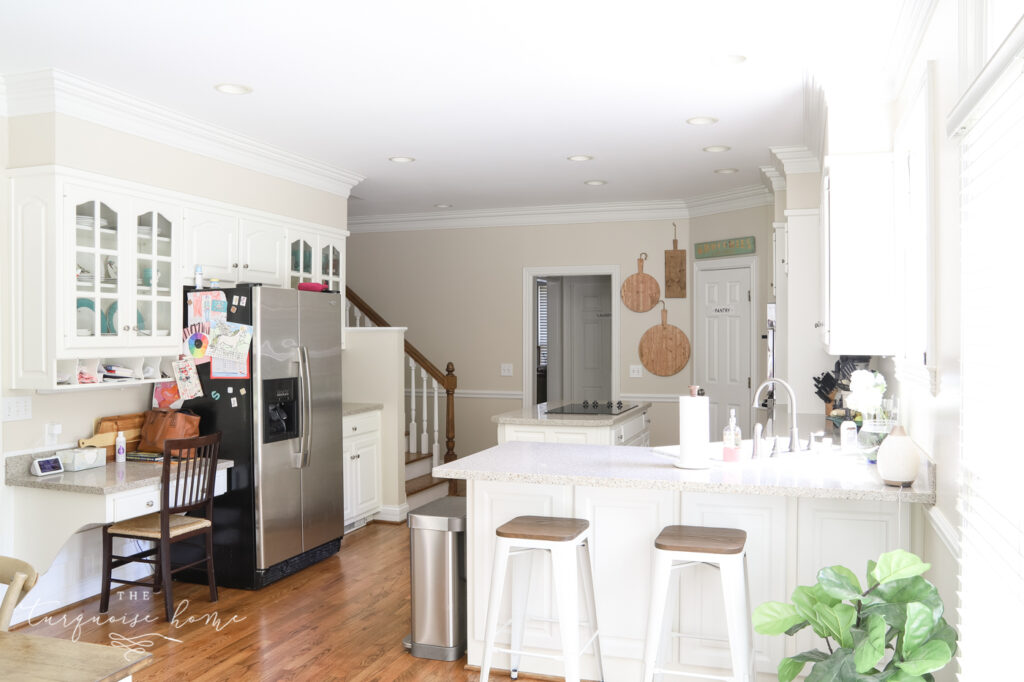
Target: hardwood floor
{"type": "Point", "coordinates": [341, 619]}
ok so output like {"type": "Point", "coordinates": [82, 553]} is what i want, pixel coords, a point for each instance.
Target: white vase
{"type": "Point", "coordinates": [898, 459]}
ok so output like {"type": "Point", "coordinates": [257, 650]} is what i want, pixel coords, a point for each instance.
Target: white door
{"type": "Point", "coordinates": [588, 346]}
{"type": "Point", "coordinates": [722, 347]}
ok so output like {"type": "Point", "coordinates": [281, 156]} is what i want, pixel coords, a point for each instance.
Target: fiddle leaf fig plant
{"type": "Point", "coordinates": [891, 628]}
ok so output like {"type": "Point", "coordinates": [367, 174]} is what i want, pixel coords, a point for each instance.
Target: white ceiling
{"type": "Point", "coordinates": [489, 96]}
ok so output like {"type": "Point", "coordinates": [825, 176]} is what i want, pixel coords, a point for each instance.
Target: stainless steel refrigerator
{"type": "Point", "coordinates": [282, 428]}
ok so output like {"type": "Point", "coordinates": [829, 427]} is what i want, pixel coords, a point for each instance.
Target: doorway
{"type": "Point", "coordinates": [724, 338]}
{"type": "Point", "coordinates": [570, 334]}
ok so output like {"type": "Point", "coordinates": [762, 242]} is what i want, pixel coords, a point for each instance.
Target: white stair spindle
{"type": "Point", "coordinates": [359, 318]}
{"type": "Point", "coordinates": [437, 441]}
{"type": "Point", "coordinates": [412, 405]}
{"type": "Point", "coordinates": [424, 437]}
{"type": "Point", "coordinates": [348, 312]}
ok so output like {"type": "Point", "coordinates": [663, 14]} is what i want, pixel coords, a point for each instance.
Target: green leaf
{"type": "Point", "coordinates": [805, 598]}
{"type": "Point", "coordinates": [837, 668]}
{"type": "Point", "coordinates": [898, 565]}
{"type": "Point", "coordinates": [932, 655]}
{"type": "Point", "coordinates": [774, 618]}
{"type": "Point", "coordinates": [871, 649]}
{"type": "Point", "coordinates": [837, 621]}
{"type": "Point", "coordinates": [789, 668]}
{"type": "Point", "coordinates": [889, 600]}
{"type": "Point", "coordinates": [839, 582]}
{"type": "Point", "coordinates": [918, 629]}
{"type": "Point", "coordinates": [946, 633]}
{"type": "Point", "coordinates": [872, 581]}
{"type": "Point", "coordinates": [901, 676]}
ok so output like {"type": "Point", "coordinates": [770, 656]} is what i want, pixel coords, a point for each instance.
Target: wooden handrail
{"type": "Point", "coordinates": [447, 379]}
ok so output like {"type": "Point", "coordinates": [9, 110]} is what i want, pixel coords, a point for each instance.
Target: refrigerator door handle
{"type": "Point", "coordinates": [307, 406]}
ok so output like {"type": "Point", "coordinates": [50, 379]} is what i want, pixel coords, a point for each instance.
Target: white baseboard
{"type": "Point", "coordinates": [392, 513]}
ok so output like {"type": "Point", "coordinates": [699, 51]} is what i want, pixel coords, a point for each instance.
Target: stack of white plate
{"type": "Point", "coordinates": [89, 221]}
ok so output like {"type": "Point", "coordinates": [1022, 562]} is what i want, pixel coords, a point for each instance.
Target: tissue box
{"type": "Point", "coordinates": [78, 459]}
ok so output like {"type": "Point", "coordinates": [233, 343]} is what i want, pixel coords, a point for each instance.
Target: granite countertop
{"type": "Point", "coordinates": [349, 409]}
{"type": "Point", "coordinates": [113, 478]}
{"type": "Point", "coordinates": [817, 474]}
{"type": "Point", "coordinates": [537, 415]}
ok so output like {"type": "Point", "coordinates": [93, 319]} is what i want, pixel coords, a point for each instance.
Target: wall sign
{"type": "Point", "coordinates": [737, 246]}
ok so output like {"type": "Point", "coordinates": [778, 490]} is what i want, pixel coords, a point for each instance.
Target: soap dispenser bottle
{"type": "Point", "coordinates": [120, 453]}
{"type": "Point", "coordinates": [731, 439]}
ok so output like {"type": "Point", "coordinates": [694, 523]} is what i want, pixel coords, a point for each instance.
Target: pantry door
{"type": "Point", "coordinates": [724, 339]}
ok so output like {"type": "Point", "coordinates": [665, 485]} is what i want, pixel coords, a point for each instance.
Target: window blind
{"type": "Point", "coordinates": [991, 571]}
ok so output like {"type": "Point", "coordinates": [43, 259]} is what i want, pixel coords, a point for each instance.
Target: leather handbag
{"type": "Point", "coordinates": [163, 423]}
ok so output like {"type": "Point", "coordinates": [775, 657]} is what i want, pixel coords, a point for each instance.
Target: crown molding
{"type": "Point", "coordinates": [55, 91]}
{"type": "Point", "coordinates": [911, 26]}
{"type": "Point", "coordinates": [566, 214]}
{"type": "Point", "coordinates": [772, 179]}
{"type": "Point", "coordinates": [793, 160]}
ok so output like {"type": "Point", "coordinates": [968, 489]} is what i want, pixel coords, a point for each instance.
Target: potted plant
{"type": "Point", "coordinates": [892, 630]}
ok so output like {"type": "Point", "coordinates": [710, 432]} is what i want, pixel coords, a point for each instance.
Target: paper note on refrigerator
{"type": "Point", "coordinates": [187, 378]}
{"type": "Point", "coordinates": [230, 341]}
{"type": "Point", "coordinates": [207, 306]}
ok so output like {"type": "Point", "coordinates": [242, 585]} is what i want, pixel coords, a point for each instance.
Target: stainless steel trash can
{"type": "Point", "coordinates": [437, 563]}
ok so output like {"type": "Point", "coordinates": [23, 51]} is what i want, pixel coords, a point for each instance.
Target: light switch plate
{"type": "Point", "coordinates": [636, 371]}
{"type": "Point", "coordinates": [17, 409]}
{"type": "Point", "coordinates": [506, 369]}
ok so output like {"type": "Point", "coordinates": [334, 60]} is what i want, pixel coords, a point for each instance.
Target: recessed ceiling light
{"type": "Point", "coordinates": [717, 148]}
{"type": "Point", "coordinates": [442, 205]}
{"type": "Point", "coordinates": [595, 183]}
{"type": "Point", "coordinates": [702, 120]}
{"type": "Point", "coordinates": [401, 159]}
{"type": "Point", "coordinates": [580, 157]}
{"type": "Point", "coordinates": [727, 171]}
{"type": "Point", "coordinates": [732, 59]}
{"type": "Point", "coordinates": [233, 89]}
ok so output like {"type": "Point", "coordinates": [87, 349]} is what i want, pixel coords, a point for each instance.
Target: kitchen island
{"type": "Point", "coordinates": [538, 424]}
{"type": "Point", "coordinates": [801, 512]}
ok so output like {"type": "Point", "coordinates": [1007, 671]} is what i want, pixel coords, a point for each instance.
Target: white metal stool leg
{"type": "Point", "coordinates": [494, 605]}
{"type": "Point", "coordinates": [521, 569]}
{"type": "Point", "coordinates": [737, 616]}
{"type": "Point", "coordinates": [661, 570]}
{"type": "Point", "coordinates": [587, 577]}
{"type": "Point", "coordinates": [563, 560]}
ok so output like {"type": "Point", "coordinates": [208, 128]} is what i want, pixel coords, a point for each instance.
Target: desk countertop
{"type": "Point", "coordinates": [105, 480]}
{"type": "Point", "coordinates": [820, 475]}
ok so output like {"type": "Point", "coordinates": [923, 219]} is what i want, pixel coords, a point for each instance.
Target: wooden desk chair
{"type": "Point", "coordinates": [189, 470]}
{"type": "Point", "coordinates": [20, 577]}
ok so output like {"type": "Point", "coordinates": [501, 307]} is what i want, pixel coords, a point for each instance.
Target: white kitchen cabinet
{"type": "Point", "coordinates": [861, 290]}
{"type": "Point", "coordinates": [232, 248]}
{"type": "Point", "coordinates": [93, 277]}
{"type": "Point", "coordinates": [316, 257]}
{"type": "Point", "coordinates": [262, 247]}
{"type": "Point", "coordinates": [361, 450]}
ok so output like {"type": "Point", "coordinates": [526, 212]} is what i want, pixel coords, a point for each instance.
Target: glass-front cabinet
{"type": "Point", "coordinates": [125, 289]}
{"type": "Point", "coordinates": [315, 257]}
{"type": "Point", "coordinates": [301, 261]}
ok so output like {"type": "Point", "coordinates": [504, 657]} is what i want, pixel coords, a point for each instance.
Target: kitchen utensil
{"type": "Point", "coordinates": [640, 292]}
{"type": "Point", "coordinates": [106, 440]}
{"type": "Point", "coordinates": [106, 431]}
{"type": "Point", "coordinates": [664, 349]}
{"type": "Point", "coordinates": [675, 269]}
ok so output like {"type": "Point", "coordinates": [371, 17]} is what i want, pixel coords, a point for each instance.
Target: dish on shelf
{"type": "Point", "coordinates": [86, 317]}
{"type": "Point", "coordinates": [110, 321]}
{"type": "Point", "coordinates": [89, 221]}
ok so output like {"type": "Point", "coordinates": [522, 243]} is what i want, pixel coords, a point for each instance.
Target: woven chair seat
{"type": "Point", "coordinates": [148, 526]}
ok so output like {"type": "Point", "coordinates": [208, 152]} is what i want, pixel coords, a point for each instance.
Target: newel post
{"type": "Point", "coordinates": [450, 382]}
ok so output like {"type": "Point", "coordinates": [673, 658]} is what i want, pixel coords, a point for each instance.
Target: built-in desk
{"type": "Point", "coordinates": [50, 509]}
{"type": "Point", "coordinates": [29, 658]}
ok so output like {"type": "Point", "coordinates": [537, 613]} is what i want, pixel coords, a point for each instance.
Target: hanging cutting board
{"type": "Point", "coordinates": [664, 349]}
{"type": "Point", "coordinates": [675, 269]}
{"type": "Point", "coordinates": [640, 292]}
{"type": "Point", "coordinates": [106, 432]}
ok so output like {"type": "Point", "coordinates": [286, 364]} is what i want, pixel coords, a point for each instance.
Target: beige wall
{"type": "Point", "coordinates": [460, 293]}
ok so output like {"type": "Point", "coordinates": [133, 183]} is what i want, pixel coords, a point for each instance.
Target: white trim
{"type": "Point", "coordinates": [911, 26]}
{"type": "Point", "coordinates": [499, 395]}
{"type": "Point", "coordinates": [945, 530]}
{"type": "Point", "coordinates": [909, 373]}
{"type": "Point", "coordinates": [750, 196]}
{"type": "Point", "coordinates": [794, 160]}
{"type": "Point", "coordinates": [55, 91]}
{"type": "Point", "coordinates": [772, 179]}
{"type": "Point", "coordinates": [967, 107]}
{"type": "Point", "coordinates": [392, 513]}
{"type": "Point", "coordinates": [798, 212]}
{"type": "Point", "coordinates": [3, 97]}
{"type": "Point", "coordinates": [532, 273]}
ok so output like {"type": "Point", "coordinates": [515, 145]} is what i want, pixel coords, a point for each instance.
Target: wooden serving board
{"type": "Point", "coordinates": [675, 270]}
{"type": "Point", "coordinates": [664, 349]}
{"type": "Point", "coordinates": [640, 292]}
{"type": "Point", "coordinates": [106, 432]}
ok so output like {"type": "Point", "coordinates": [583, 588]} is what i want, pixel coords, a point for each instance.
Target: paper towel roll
{"type": "Point", "coordinates": [694, 432]}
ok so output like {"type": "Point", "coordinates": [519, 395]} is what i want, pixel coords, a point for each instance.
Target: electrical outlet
{"type": "Point", "coordinates": [636, 371]}
{"type": "Point", "coordinates": [506, 369]}
{"type": "Point", "coordinates": [17, 409]}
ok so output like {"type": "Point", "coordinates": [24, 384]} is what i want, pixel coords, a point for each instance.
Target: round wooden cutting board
{"type": "Point", "coordinates": [640, 292]}
{"type": "Point", "coordinates": [664, 349]}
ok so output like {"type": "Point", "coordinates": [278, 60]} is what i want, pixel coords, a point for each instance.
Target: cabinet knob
{"type": "Point", "coordinates": [149, 503]}
{"type": "Point", "coordinates": [354, 428]}
{"type": "Point", "coordinates": [246, 265]}
{"type": "Point", "coordinates": [234, 265]}
{"type": "Point", "coordinates": [126, 328]}
{"type": "Point", "coordinates": [135, 328]}
{"type": "Point", "coordinates": [819, 325]}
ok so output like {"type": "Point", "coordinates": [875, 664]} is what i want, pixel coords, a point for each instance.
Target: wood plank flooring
{"type": "Point", "coordinates": [341, 619]}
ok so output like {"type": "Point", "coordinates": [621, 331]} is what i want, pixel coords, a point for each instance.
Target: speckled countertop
{"type": "Point", "coordinates": [537, 415]}
{"type": "Point", "coordinates": [349, 409]}
{"type": "Point", "coordinates": [106, 480]}
{"type": "Point", "coordinates": [820, 475]}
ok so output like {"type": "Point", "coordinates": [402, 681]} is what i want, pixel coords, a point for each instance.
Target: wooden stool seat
{"type": "Point", "coordinates": [701, 539]}
{"type": "Point", "coordinates": [545, 528]}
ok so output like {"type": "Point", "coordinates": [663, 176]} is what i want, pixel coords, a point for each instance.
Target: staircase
{"type": "Point", "coordinates": [424, 409]}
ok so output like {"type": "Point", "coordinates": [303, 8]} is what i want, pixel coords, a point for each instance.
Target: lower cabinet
{"type": "Point", "coordinates": [633, 431]}
{"type": "Point", "coordinates": [362, 453]}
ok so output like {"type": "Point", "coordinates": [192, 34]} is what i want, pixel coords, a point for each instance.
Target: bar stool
{"type": "Point", "coordinates": [567, 541]}
{"type": "Point", "coordinates": [724, 549]}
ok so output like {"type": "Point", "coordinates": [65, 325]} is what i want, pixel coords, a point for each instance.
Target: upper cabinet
{"type": "Point", "coordinates": [234, 249]}
{"type": "Point", "coordinates": [316, 257]}
{"type": "Point", "coordinates": [861, 289]}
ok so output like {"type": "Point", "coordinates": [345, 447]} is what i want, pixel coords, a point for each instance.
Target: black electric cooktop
{"type": "Point", "coordinates": [593, 407]}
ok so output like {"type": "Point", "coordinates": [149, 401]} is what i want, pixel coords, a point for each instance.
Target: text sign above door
{"type": "Point", "coordinates": [736, 246]}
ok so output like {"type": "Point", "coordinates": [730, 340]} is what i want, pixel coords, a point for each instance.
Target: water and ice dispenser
{"type": "Point", "coordinates": [280, 409]}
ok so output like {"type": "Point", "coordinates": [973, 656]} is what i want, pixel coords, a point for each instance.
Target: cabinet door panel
{"type": "Point", "coordinates": [213, 244]}
{"type": "Point", "coordinates": [303, 258]}
{"type": "Point", "coordinates": [263, 248]}
{"type": "Point", "coordinates": [366, 485]}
